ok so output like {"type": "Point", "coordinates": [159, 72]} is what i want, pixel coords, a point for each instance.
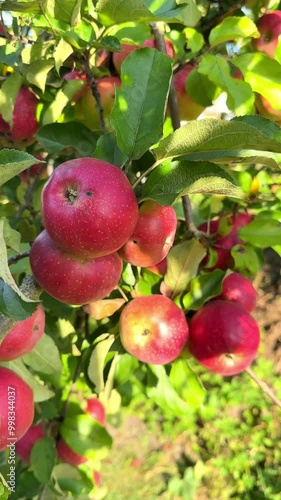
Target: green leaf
{"type": "Point", "coordinates": [13, 162]}
{"type": "Point", "coordinates": [218, 137]}
{"type": "Point", "coordinates": [246, 259]}
{"type": "Point", "coordinates": [62, 52]}
{"type": "Point", "coordinates": [43, 459]}
{"type": "Point", "coordinates": [263, 232]}
{"type": "Point", "coordinates": [64, 10]}
{"type": "Point", "coordinates": [38, 72]}
{"type": "Point", "coordinates": [183, 261]}
{"type": "Point", "coordinates": [165, 396]}
{"type": "Point", "coordinates": [40, 391]}
{"type": "Point", "coordinates": [11, 237]}
{"type": "Point", "coordinates": [10, 54]}
{"type": "Point", "coordinates": [240, 97]}
{"type": "Point", "coordinates": [203, 288]}
{"type": "Point", "coordinates": [200, 88]}
{"type": "Point", "coordinates": [195, 39]}
{"type": "Point", "coordinates": [263, 74]}
{"type": "Point", "coordinates": [97, 362]}
{"type": "Point", "coordinates": [190, 15]}
{"type": "Point", "coordinates": [24, 6]}
{"type": "Point", "coordinates": [147, 283]}
{"type": "Point", "coordinates": [86, 436]}
{"type": "Point", "coordinates": [233, 28]}
{"type": "Point", "coordinates": [187, 385]}
{"type": "Point", "coordinates": [128, 275]}
{"type": "Point", "coordinates": [169, 182]}
{"type": "Point", "coordinates": [8, 95]}
{"type": "Point", "coordinates": [62, 98]}
{"type": "Point", "coordinates": [56, 137]}
{"type": "Point", "coordinates": [138, 112]}
{"type": "Point", "coordinates": [36, 51]}
{"type": "Point", "coordinates": [12, 306]}
{"type": "Point", "coordinates": [119, 11]}
{"type": "Point", "coordinates": [45, 357]}
{"type": "Point", "coordinates": [108, 150]}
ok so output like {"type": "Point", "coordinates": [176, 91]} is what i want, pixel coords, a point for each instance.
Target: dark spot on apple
{"type": "Point", "coordinates": [135, 242]}
{"type": "Point", "coordinates": [145, 332]}
{"type": "Point", "coordinates": [89, 194]}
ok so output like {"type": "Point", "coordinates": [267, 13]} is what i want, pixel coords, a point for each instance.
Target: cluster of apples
{"type": "Point", "coordinates": [91, 218]}
{"type": "Point", "coordinates": [85, 106]}
{"type": "Point", "coordinates": [93, 407]}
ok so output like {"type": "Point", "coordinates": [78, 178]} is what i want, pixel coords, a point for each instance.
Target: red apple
{"type": "Point", "coordinates": [237, 288]}
{"type": "Point", "coordinates": [188, 108]}
{"type": "Point", "coordinates": [265, 109]}
{"type": "Point", "coordinates": [97, 478]}
{"type": "Point", "coordinates": [89, 208]}
{"type": "Point", "coordinates": [269, 26]}
{"type": "Point", "coordinates": [86, 109]}
{"type": "Point", "coordinates": [68, 455]}
{"type": "Point", "coordinates": [153, 329]}
{"type": "Point", "coordinates": [25, 444]}
{"type": "Point", "coordinates": [16, 407]}
{"type": "Point", "coordinates": [25, 124]}
{"type": "Point", "coordinates": [153, 236]}
{"type": "Point", "coordinates": [23, 337]}
{"type": "Point", "coordinates": [126, 49]}
{"type": "Point", "coordinates": [72, 279]}
{"type": "Point", "coordinates": [223, 337]}
{"type": "Point", "coordinates": [222, 244]}
{"type": "Point", "coordinates": [96, 409]}
{"type": "Point", "coordinates": [160, 267]}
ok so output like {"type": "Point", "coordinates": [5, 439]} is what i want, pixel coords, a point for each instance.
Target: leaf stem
{"type": "Point", "coordinates": [264, 386]}
{"type": "Point", "coordinates": [145, 174]}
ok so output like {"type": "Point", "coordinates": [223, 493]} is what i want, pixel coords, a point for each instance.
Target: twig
{"type": "Point", "coordinates": [264, 386]}
{"type": "Point", "coordinates": [29, 193]}
{"type": "Point", "coordinates": [16, 258]}
{"type": "Point", "coordinates": [94, 88]}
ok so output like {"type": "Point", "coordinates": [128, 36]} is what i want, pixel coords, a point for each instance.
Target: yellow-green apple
{"type": "Point", "coordinates": [89, 208]}
{"type": "Point", "coordinates": [152, 237]}
{"type": "Point", "coordinates": [23, 336]}
{"type": "Point", "coordinates": [153, 329]}
{"type": "Point", "coordinates": [16, 407]}
{"type": "Point", "coordinates": [72, 279]}
{"type": "Point", "coordinates": [223, 337]}
{"type": "Point", "coordinates": [96, 409]}
{"type": "Point", "coordinates": [25, 444]}
{"type": "Point", "coordinates": [86, 109]}
{"type": "Point", "coordinates": [25, 123]}
{"type": "Point", "coordinates": [222, 244]}
{"type": "Point", "coordinates": [126, 49]}
{"type": "Point", "coordinates": [269, 26]}
{"type": "Point", "coordinates": [237, 288]}
{"type": "Point", "coordinates": [188, 108]}
{"type": "Point", "coordinates": [68, 455]}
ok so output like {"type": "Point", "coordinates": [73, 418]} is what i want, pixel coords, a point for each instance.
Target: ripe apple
{"type": "Point", "coordinates": [25, 124]}
{"type": "Point", "coordinates": [68, 455]}
{"type": "Point", "coordinates": [223, 337]}
{"type": "Point", "coordinates": [72, 279]}
{"type": "Point", "coordinates": [97, 478]}
{"type": "Point", "coordinates": [89, 208]}
{"type": "Point", "coordinates": [153, 329]}
{"type": "Point", "coordinates": [188, 109]}
{"type": "Point", "coordinates": [23, 337]}
{"type": "Point", "coordinates": [25, 444]}
{"type": "Point", "coordinates": [15, 396]}
{"type": "Point", "coordinates": [222, 244]}
{"type": "Point", "coordinates": [96, 409]}
{"type": "Point", "coordinates": [126, 49]}
{"type": "Point", "coordinates": [237, 288]}
{"type": "Point", "coordinates": [152, 237]}
{"type": "Point", "coordinates": [160, 268]}
{"type": "Point", "coordinates": [269, 26]}
{"type": "Point", "coordinates": [265, 109]}
{"type": "Point", "coordinates": [86, 109]}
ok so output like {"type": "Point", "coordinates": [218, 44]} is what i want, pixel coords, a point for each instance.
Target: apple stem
{"type": "Point", "coordinates": [122, 293]}
{"type": "Point", "coordinates": [94, 88]}
{"type": "Point", "coordinates": [264, 386]}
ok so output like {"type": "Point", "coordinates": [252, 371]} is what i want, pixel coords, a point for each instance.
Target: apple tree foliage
{"type": "Point", "coordinates": [219, 165]}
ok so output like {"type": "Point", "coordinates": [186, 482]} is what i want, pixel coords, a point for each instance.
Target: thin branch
{"type": "Point", "coordinates": [28, 197]}
{"type": "Point", "coordinates": [264, 387]}
{"type": "Point", "coordinates": [94, 88]}
{"type": "Point", "coordinates": [16, 258]}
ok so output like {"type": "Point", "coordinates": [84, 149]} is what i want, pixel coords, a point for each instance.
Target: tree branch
{"type": "Point", "coordinates": [94, 88]}
{"type": "Point", "coordinates": [264, 387]}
